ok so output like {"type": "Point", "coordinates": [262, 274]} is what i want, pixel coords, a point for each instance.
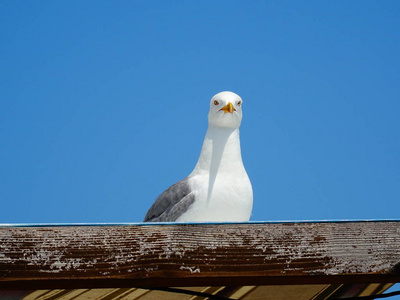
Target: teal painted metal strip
{"type": "Point", "coordinates": [198, 223]}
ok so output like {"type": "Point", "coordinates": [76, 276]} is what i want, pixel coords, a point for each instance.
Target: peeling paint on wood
{"type": "Point", "coordinates": [274, 253]}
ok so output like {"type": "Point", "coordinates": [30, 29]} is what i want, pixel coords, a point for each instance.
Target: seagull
{"type": "Point", "coordinates": [218, 189]}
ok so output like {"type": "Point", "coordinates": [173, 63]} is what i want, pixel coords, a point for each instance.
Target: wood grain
{"type": "Point", "coordinates": [199, 255]}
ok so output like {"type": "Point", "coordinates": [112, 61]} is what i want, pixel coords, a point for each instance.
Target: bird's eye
{"type": "Point", "coordinates": [239, 103]}
{"type": "Point", "coordinates": [216, 102]}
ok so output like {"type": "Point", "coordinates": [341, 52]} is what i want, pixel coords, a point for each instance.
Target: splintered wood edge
{"type": "Point", "coordinates": [198, 255]}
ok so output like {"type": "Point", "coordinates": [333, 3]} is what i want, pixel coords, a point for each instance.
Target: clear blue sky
{"type": "Point", "coordinates": [104, 105]}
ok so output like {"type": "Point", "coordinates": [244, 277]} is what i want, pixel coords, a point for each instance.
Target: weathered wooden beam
{"type": "Point", "coordinates": [199, 255]}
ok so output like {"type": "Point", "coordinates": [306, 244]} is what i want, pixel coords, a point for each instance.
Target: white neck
{"type": "Point", "coordinates": [220, 154]}
{"type": "Point", "coordinates": [220, 151]}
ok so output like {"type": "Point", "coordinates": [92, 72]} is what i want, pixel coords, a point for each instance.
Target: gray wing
{"type": "Point", "coordinates": [172, 203]}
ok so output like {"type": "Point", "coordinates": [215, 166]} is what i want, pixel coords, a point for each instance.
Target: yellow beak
{"type": "Point", "coordinates": [228, 108]}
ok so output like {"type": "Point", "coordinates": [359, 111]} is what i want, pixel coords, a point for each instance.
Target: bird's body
{"type": "Point", "coordinates": [218, 189]}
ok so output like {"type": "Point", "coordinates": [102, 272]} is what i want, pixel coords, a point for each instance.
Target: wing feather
{"type": "Point", "coordinates": [172, 203]}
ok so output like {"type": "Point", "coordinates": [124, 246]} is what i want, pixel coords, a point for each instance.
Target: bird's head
{"type": "Point", "coordinates": [225, 110]}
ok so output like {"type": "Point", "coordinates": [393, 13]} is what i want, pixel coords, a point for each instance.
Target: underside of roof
{"type": "Point", "coordinates": [269, 292]}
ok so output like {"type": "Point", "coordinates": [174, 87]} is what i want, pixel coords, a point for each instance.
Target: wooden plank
{"type": "Point", "coordinates": [199, 255]}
